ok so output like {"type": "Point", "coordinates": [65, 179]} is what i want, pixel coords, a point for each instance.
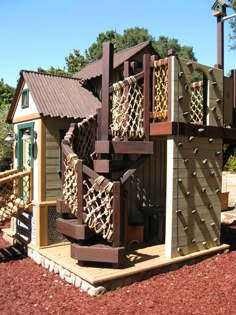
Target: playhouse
{"type": "Point", "coordinates": [126, 154]}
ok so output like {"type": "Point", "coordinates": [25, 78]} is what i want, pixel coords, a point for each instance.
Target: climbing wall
{"type": "Point", "coordinates": [189, 99]}
{"type": "Point", "coordinates": [193, 202]}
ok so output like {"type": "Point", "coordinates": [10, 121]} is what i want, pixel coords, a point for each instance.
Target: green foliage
{"type": "Point", "coordinates": [6, 96]}
{"type": "Point", "coordinates": [232, 22]}
{"type": "Point", "coordinates": [231, 164]}
{"type": "Point", "coordinates": [130, 37]}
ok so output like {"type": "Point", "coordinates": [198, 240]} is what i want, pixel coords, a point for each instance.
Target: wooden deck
{"type": "Point", "coordinates": [140, 264]}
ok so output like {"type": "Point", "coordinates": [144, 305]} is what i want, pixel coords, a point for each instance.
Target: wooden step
{"type": "Point", "coordinates": [98, 253]}
{"type": "Point", "coordinates": [72, 229]}
{"type": "Point", "coordinates": [124, 147]}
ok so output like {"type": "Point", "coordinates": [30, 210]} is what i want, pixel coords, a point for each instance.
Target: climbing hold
{"type": "Point", "coordinates": [201, 130]}
{"type": "Point", "coordinates": [190, 138]}
{"type": "Point", "coordinates": [194, 174]}
{"type": "Point", "coordinates": [195, 151]}
{"type": "Point", "coordinates": [202, 220]}
{"type": "Point", "coordinates": [186, 87]}
{"type": "Point", "coordinates": [213, 108]}
{"type": "Point", "coordinates": [213, 224]}
{"type": "Point", "coordinates": [204, 243]}
{"type": "Point", "coordinates": [180, 74]}
{"type": "Point", "coordinates": [185, 113]}
{"type": "Point", "coordinates": [185, 228]}
{"type": "Point", "coordinates": [210, 70]}
{"type": "Point", "coordinates": [189, 63]}
{"type": "Point", "coordinates": [217, 190]}
{"type": "Point", "coordinates": [178, 211]}
{"type": "Point", "coordinates": [212, 173]}
{"type": "Point", "coordinates": [217, 153]}
{"type": "Point", "coordinates": [180, 98]}
{"type": "Point", "coordinates": [186, 161]}
{"type": "Point", "coordinates": [203, 189]}
{"type": "Point", "coordinates": [204, 161]}
{"type": "Point", "coordinates": [187, 193]}
{"type": "Point", "coordinates": [179, 249]}
{"type": "Point", "coordinates": [210, 140]}
{"type": "Point", "coordinates": [180, 144]}
{"type": "Point", "coordinates": [179, 180]}
{"type": "Point", "coordinates": [215, 239]}
{"type": "Point", "coordinates": [210, 206]}
{"type": "Point", "coordinates": [214, 83]}
{"type": "Point", "coordinates": [193, 240]}
{"type": "Point", "coordinates": [194, 211]}
{"type": "Point", "coordinates": [218, 100]}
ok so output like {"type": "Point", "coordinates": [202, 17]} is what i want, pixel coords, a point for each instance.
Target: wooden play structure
{"type": "Point", "coordinates": [138, 162]}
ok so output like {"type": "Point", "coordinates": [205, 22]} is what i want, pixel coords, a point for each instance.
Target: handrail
{"type": "Point", "coordinates": [8, 172]}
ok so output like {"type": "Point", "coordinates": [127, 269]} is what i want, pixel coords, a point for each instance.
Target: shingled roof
{"type": "Point", "coordinates": [56, 96]}
{"type": "Point", "coordinates": [94, 69]}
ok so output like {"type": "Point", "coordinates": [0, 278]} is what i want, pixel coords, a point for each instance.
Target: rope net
{"type": "Point", "coordinates": [86, 139]}
{"type": "Point", "coordinates": [69, 187]}
{"type": "Point", "coordinates": [98, 209]}
{"type": "Point", "coordinates": [14, 195]}
{"type": "Point", "coordinates": [161, 90]}
{"type": "Point", "coordinates": [127, 110]}
{"type": "Point", "coordinates": [196, 100]}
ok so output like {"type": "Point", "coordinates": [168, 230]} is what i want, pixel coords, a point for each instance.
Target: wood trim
{"type": "Point", "coordinates": [116, 214]}
{"type": "Point", "coordinates": [146, 95]}
{"type": "Point", "coordinates": [26, 118]}
{"type": "Point", "coordinates": [79, 171]}
{"type": "Point", "coordinates": [41, 225]}
{"type": "Point", "coordinates": [170, 79]}
{"type": "Point", "coordinates": [41, 160]}
{"type": "Point", "coordinates": [44, 203]}
{"type": "Point", "coordinates": [137, 76]}
{"type": "Point", "coordinates": [124, 147]}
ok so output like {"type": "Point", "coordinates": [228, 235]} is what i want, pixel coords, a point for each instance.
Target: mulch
{"type": "Point", "coordinates": [208, 287]}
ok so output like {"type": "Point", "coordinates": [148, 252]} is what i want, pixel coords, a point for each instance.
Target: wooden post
{"type": "Point", "coordinates": [234, 97]}
{"type": "Point", "coordinates": [116, 214]}
{"type": "Point", "coordinates": [153, 58]}
{"type": "Point", "coordinates": [107, 68]}
{"type": "Point", "coordinates": [220, 42]}
{"type": "Point", "coordinates": [79, 172]}
{"type": "Point", "coordinates": [171, 53]}
{"type": "Point", "coordinates": [146, 95]}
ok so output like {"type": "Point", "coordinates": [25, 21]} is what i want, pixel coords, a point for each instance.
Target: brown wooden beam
{"type": "Point", "coordinates": [146, 95]}
{"type": "Point", "coordinates": [124, 147]}
{"type": "Point", "coordinates": [62, 207]}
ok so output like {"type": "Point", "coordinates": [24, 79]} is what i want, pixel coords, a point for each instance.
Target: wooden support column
{"type": "Point", "coordinates": [234, 97]}
{"type": "Point", "coordinates": [116, 214]}
{"type": "Point", "coordinates": [220, 42]}
{"type": "Point", "coordinates": [79, 171]}
{"type": "Point", "coordinates": [153, 58]}
{"type": "Point", "coordinates": [171, 53]}
{"type": "Point", "coordinates": [107, 68]}
{"type": "Point", "coordinates": [146, 112]}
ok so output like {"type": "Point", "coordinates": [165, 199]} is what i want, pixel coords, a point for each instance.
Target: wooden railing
{"type": "Point", "coordinates": [15, 193]}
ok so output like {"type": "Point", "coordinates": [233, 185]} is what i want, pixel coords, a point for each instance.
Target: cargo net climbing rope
{"type": "Point", "coordinates": [196, 100]}
{"type": "Point", "coordinates": [127, 110]}
{"type": "Point", "coordinates": [86, 139]}
{"type": "Point", "coordinates": [98, 209]}
{"type": "Point", "coordinates": [97, 199]}
{"type": "Point", "coordinates": [85, 148]}
{"type": "Point", "coordinates": [70, 186]}
{"type": "Point", "coordinates": [15, 194]}
{"type": "Point", "coordinates": [161, 89]}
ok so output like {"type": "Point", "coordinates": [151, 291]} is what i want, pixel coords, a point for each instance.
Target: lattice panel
{"type": "Point", "coordinates": [14, 196]}
{"type": "Point", "coordinates": [197, 106]}
{"type": "Point", "coordinates": [86, 139]}
{"type": "Point", "coordinates": [127, 110]}
{"type": "Point", "coordinates": [70, 189]}
{"type": "Point", "coordinates": [161, 91]}
{"type": "Point", "coordinates": [98, 207]}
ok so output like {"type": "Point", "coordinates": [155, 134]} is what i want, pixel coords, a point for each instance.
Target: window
{"type": "Point", "coordinates": [25, 99]}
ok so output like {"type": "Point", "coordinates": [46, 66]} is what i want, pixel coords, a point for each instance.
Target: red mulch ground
{"type": "Point", "coordinates": [208, 287]}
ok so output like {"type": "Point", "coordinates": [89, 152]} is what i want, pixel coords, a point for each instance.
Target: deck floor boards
{"type": "Point", "coordinates": [139, 261]}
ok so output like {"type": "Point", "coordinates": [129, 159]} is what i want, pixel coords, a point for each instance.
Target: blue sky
{"type": "Point", "coordinates": [41, 33]}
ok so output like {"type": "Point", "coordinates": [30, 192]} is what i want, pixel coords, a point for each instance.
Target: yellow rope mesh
{"type": "Point", "coordinates": [14, 196]}
{"type": "Point", "coordinates": [69, 188]}
{"type": "Point", "coordinates": [98, 207]}
{"type": "Point", "coordinates": [161, 90]}
{"type": "Point", "coordinates": [196, 107]}
{"type": "Point", "coordinates": [127, 110]}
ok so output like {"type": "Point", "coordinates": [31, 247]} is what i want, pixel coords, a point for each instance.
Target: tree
{"type": "Point", "coordinates": [75, 62]}
{"type": "Point", "coordinates": [6, 96]}
{"type": "Point", "coordinates": [233, 26]}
